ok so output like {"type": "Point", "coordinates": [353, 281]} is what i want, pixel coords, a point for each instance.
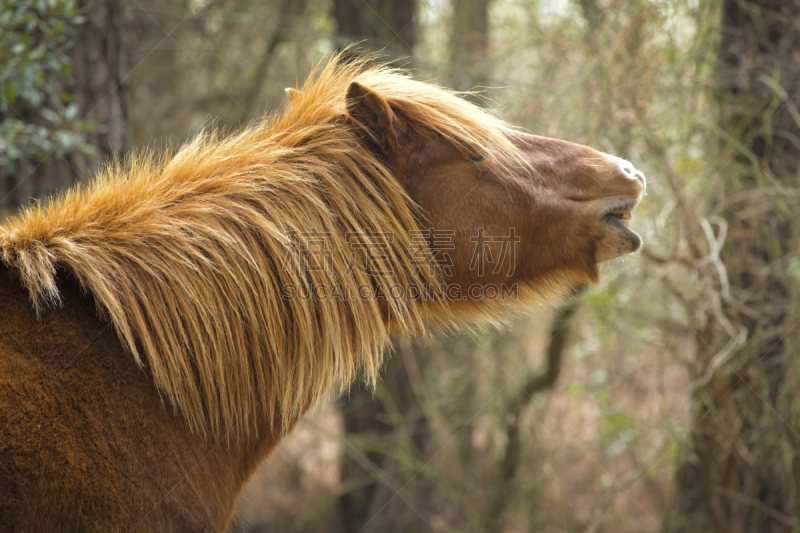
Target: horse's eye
{"type": "Point", "coordinates": [478, 158]}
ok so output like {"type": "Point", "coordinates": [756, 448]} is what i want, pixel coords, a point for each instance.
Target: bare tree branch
{"type": "Point", "coordinates": [559, 331]}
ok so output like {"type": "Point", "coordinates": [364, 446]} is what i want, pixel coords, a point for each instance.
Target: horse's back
{"type": "Point", "coordinates": [85, 442]}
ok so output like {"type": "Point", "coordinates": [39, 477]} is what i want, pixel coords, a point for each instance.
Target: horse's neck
{"type": "Point", "coordinates": [90, 409]}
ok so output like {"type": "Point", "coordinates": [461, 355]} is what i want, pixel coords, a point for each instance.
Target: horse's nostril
{"type": "Point", "coordinates": [629, 170]}
{"type": "Point", "coordinates": [641, 179]}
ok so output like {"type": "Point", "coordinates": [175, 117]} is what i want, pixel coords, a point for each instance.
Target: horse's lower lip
{"type": "Point", "coordinates": [622, 225]}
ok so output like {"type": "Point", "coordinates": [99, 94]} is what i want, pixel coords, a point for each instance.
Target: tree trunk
{"type": "Point", "coordinates": [378, 25]}
{"type": "Point", "coordinates": [371, 418]}
{"type": "Point", "coordinates": [100, 64]}
{"type": "Point", "coordinates": [740, 470]}
{"type": "Point", "coordinates": [469, 43]}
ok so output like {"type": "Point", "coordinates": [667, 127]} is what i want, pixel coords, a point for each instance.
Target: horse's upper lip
{"type": "Point", "coordinates": [624, 205]}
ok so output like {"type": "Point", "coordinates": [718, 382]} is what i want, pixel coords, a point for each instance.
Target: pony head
{"type": "Point", "coordinates": [500, 209]}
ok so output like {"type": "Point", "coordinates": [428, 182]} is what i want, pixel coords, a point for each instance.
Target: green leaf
{"type": "Point", "coordinates": [51, 116]}
{"type": "Point", "coordinates": [11, 93]}
{"type": "Point", "coordinates": [71, 112]}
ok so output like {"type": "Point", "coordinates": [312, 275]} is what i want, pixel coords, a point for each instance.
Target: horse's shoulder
{"type": "Point", "coordinates": [63, 463]}
{"type": "Point", "coordinates": [40, 453]}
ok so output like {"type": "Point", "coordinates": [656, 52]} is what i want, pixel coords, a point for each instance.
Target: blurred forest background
{"type": "Point", "coordinates": [664, 399]}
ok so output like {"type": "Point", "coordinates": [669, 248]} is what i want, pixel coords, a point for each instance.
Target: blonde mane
{"type": "Point", "coordinates": [188, 255]}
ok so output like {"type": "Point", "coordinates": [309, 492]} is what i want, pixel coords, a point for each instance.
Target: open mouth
{"type": "Point", "coordinates": [620, 211]}
{"type": "Point", "coordinates": [618, 239]}
{"type": "Point", "coordinates": [623, 216]}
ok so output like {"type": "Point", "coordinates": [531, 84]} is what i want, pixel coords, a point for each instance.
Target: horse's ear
{"type": "Point", "coordinates": [291, 94]}
{"type": "Point", "coordinates": [372, 116]}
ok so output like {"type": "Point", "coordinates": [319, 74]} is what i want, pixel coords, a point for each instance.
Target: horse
{"type": "Point", "coordinates": [164, 326]}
